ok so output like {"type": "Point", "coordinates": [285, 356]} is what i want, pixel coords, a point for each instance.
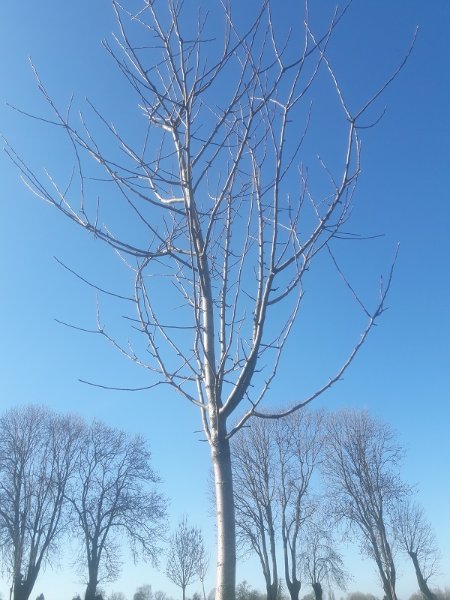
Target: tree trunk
{"type": "Point", "coordinates": [423, 585]}
{"type": "Point", "coordinates": [91, 588]}
{"type": "Point", "coordinates": [389, 590]}
{"type": "Point", "coordinates": [272, 590]}
{"type": "Point", "coordinates": [183, 588]}
{"type": "Point", "coordinates": [390, 570]}
{"type": "Point", "coordinates": [294, 588]}
{"type": "Point", "coordinates": [387, 575]}
{"type": "Point", "coordinates": [226, 535]}
{"type": "Point", "coordinates": [22, 590]}
{"type": "Point", "coordinates": [272, 594]}
{"type": "Point", "coordinates": [290, 574]}
{"type": "Point", "coordinates": [318, 592]}
{"type": "Point", "coordinates": [24, 587]}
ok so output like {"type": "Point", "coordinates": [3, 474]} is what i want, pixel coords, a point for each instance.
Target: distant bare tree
{"type": "Point", "coordinates": [245, 592]}
{"type": "Point", "coordinates": [442, 594]}
{"type": "Point", "coordinates": [216, 208]}
{"type": "Point", "coordinates": [361, 465]}
{"type": "Point", "coordinates": [320, 562]}
{"type": "Point", "coordinates": [160, 595]}
{"type": "Point", "coordinates": [256, 482]}
{"type": "Point", "coordinates": [273, 464]}
{"type": "Point", "coordinates": [202, 570]}
{"type": "Point", "coordinates": [114, 493]}
{"type": "Point", "coordinates": [186, 553]}
{"type": "Point", "coordinates": [37, 457]}
{"type": "Point", "coordinates": [116, 596]}
{"type": "Point", "coordinates": [418, 542]}
{"type": "Point", "coordinates": [361, 596]}
{"type": "Point", "coordinates": [299, 440]}
{"type": "Point", "coordinates": [144, 592]}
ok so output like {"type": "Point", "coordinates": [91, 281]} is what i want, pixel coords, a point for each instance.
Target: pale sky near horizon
{"type": "Point", "coordinates": [401, 376]}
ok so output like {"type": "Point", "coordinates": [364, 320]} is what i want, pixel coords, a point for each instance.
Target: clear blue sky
{"type": "Point", "coordinates": [402, 374]}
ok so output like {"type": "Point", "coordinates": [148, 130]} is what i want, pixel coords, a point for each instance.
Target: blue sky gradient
{"type": "Point", "coordinates": [402, 375]}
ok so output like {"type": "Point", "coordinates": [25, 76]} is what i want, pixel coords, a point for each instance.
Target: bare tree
{"type": "Point", "coordinates": [245, 592]}
{"type": "Point", "coordinates": [361, 466]}
{"type": "Point", "coordinates": [361, 596]}
{"type": "Point", "coordinates": [144, 592]}
{"type": "Point", "coordinates": [418, 542]}
{"type": "Point", "coordinates": [320, 561]}
{"type": "Point", "coordinates": [116, 596]}
{"type": "Point", "coordinates": [186, 554]}
{"type": "Point", "coordinates": [273, 464]}
{"type": "Point", "coordinates": [202, 571]}
{"type": "Point", "coordinates": [114, 492]}
{"type": "Point", "coordinates": [37, 457]}
{"type": "Point", "coordinates": [160, 595]}
{"type": "Point", "coordinates": [256, 491]}
{"type": "Point", "coordinates": [226, 221]}
{"type": "Point", "coordinates": [299, 441]}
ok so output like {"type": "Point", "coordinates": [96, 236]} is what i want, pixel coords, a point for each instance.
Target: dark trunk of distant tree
{"type": "Point", "coordinates": [22, 592]}
{"type": "Point", "coordinates": [294, 588]}
{"type": "Point", "coordinates": [272, 590]}
{"type": "Point", "coordinates": [318, 592]}
{"type": "Point", "coordinates": [387, 575]}
{"type": "Point", "coordinates": [91, 588]}
{"type": "Point", "coordinates": [23, 587]}
{"type": "Point", "coordinates": [389, 590]}
{"type": "Point", "coordinates": [423, 585]}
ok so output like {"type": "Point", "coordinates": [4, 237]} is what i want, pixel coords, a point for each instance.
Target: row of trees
{"type": "Point", "coordinates": [358, 458]}
{"type": "Point", "coordinates": [59, 474]}
{"type": "Point", "coordinates": [244, 591]}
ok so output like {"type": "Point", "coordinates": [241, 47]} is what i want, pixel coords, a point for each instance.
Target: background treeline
{"type": "Point", "coordinates": [244, 591]}
{"type": "Point", "coordinates": [60, 476]}
{"type": "Point", "coordinates": [306, 481]}
{"type": "Point", "coordinates": [302, 483]}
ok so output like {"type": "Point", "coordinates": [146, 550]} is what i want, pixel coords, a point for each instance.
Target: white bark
{"type": "Point", "coordinates": [226, 536]}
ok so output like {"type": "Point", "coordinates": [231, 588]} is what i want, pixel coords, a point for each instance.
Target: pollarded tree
{"type": "Point", "coordinates": [114, 493]}
{"type": "Point", "coordinates": [299, 440]}
{"type": "Point", "coordinates": [320, 561]}
{"type": "Point", "coordinates": [417, 540]}
{"type": "Point", "coordinates": [186, 554]}
{"type": "Point", "coordinates": [273, 463]}
{"type": "Point", "coordinates": [213, 210]}
{"type": "Point", "coordinates": [38, 450]}
{"type": "Point", "coordinates": [361, 465]}
{"type": "Point", "coordinates": [256, 496]}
